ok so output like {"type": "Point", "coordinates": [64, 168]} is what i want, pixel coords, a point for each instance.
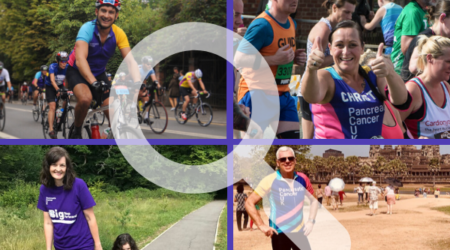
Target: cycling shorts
{"type": "Point", "coordinates": [3, 89]}
{"type": "Point", "coordinates": [51, 93]}
{"type": "Point", "coordinates": [74, 77]}
{"type": "Point", "coordinates": [306, 109]}
{"type": "Point", "coordinates": [185, 91]}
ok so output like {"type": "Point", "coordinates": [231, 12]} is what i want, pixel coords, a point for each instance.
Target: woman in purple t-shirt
{"type": "Point", "coordinates": [69, 220]}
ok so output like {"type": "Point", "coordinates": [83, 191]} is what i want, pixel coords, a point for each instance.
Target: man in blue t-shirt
{"type": "Point", "coordinates": [286, 191]}
{"type": "Point", "coordinates": [54, 82]}
{"type": "Point", "coordinates": [39, 83]}
{"type": "Point", "coordinates": [95, 45]}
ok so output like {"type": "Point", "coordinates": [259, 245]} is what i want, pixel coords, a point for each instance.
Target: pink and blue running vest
{"type": "Point", "coordinates": [349, 115]}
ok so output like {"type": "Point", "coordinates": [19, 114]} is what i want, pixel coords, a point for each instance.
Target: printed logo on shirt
{"type": "Point", "coordinates": [284, 41]}
{"type": "Point", "coordinates": [59, 79]}
{"type": "Point", "coordinates": [48, 199]}
{"type": "Point", "coordinates": [285, 192]}
{"type": "Point", "coordinates": [62, 217]}
{"type": "Point", "coordinates": [93, 45]}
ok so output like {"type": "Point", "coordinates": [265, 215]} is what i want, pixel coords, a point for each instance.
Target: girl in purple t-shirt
{"type": "Point", "coordinates": [69, 220]}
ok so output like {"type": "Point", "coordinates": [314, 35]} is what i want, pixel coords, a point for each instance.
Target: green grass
{"type": "Point", "coordinates": [442, 209]}
{"type": "Point", "coordinates": [142, 213]}
{"type": "Point", "coordinates": [221, 243]}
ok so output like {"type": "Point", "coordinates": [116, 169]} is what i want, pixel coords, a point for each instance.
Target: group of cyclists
{"type": "Point", "coordinates": [84, 70]}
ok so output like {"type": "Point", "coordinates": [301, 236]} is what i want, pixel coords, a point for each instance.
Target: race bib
{"type": "Point", "coordinates": [284, 73]}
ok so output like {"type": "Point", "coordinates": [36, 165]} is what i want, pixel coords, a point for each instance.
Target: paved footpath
{"type": "Point", "coordinates": [196, 230]}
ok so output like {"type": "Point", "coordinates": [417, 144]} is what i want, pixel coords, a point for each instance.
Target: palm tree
{"type": "Point", "coordinates": [331, 164]}
{"type": "Point", "coordinates": [396, 167]}
{"type": "Point", "coordinates": [434, 166]}
{"type": "Point", "coordinates": [318, 162]}
{"type": "Point", "coordinates": [366, 170]}
{"type": "Point", "coordinates": [380, 165]}
{"type": "Point", "coordinates": [353, 162]}
{"type": "Point", "coordinates": [341, 167]}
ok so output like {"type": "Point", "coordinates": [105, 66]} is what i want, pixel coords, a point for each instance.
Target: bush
{"type": "Point", "coordinates": [20, 195]}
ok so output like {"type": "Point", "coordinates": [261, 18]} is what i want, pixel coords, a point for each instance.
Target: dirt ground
{"type": "Point", "coordinates": [414, 225]}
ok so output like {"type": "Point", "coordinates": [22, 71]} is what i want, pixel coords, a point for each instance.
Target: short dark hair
{"type": "Point", "coordinates": [320, 186]}
{"type": "Point", "coordinates": [240, 188]}
{"type": "Point", "coordinates": [175, 68]}
{"type": "Point", "coordinates": [52, 156]}
{"type": "Point", "coordinates": [124, 239]}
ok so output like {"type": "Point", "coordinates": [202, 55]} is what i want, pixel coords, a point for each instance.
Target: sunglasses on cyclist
{"type": "Point", "coordinates": [64, 61]}
{"type": "Point", "coordinates": [284, 159]}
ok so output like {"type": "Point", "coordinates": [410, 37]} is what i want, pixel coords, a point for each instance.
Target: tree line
{"type": "Point", "coordinates": [33, 31]}
{"type": "Point", "coordinates": [97, 164]}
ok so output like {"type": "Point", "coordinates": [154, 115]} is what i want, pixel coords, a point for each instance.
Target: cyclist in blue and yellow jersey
{"type": "Point", "coordinates": [147, 73]}
{"type": "Point", "coordinates": [187, 87]}
{"type": "Point", "coordinates": [53, 82]}
{"type": "Point", "coordinates": [4, 77]}
{"type": "Point", "coordinates": [286, 190]}
{"type": "Point", "coordinates": [39, 83]}
{"type": "Point", "coordinates": [95, 44]}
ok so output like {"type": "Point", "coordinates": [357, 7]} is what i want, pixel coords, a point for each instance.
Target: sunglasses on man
{"type": "Point", "coordinates": [284, 159]}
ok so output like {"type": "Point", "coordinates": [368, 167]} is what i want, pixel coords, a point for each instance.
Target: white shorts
{"type": "Point", "coordinates": [373, 204]}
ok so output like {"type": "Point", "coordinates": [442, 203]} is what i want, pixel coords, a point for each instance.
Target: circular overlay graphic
{"type": "Point", "coordinates": [161, 45]}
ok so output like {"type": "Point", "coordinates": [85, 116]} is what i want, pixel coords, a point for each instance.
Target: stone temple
{"type": "Point", "coordinates": [416, 160]}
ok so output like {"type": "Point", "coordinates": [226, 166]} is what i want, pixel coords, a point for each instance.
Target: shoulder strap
{"type": "Point", "coordinates": [364, 73]}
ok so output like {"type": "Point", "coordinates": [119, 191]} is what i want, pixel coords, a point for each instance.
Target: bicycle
{"type": "Point", "coordinates": [24, 99]}
{"type": "Point", "coordinates": [123, 130]}
{"type": "Point", "coordinates": [40, 106]}
{"type": "Point", "coordinates": [3, 113]}
{"type": "Point", "coordinates": [157, 113]}
{"type": "Point", "coordinates": [201, 110]}
{"type": "Point", "coordinates": [11, 96]}
{"type": "Point", "coordinates": [61, 121]}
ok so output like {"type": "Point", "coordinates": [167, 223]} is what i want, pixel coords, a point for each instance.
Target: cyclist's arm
{"type": "Point", "coordinates": [9, 84]}
{"type": "Point", "coordinates": [202, 85]}
{"type": "Point", "coordinates": [34, 82]}
{"type": "Point", "coordinates": [133, 67]}
{"type": "Point", "coordinates": [81, 54]}
{"type": "Point", "coordinates": [52, 80]}
{"type": "Point", "coordinates": [153, 76]}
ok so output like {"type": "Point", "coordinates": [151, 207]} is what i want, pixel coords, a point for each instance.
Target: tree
{"type": "Point", "coordinates": [380, 165]}
{"type": "Point", "coordinates": [352, 164]}
{"type": "Point", "coordinates": [318, 163]}
{"type": "Point", "coordinates": [366, 170]}
{"type": "Point", "coordinates": [396, 168]}
{"type": "Point", "coordinates": [434, 166]}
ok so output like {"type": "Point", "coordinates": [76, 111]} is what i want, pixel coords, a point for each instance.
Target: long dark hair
{"type": "Point", "coordinates": [51, 157]}
{"type": "Point", "coordinates": [327, 4]}
{"type": "Point", "coordinates": [122, 240]}
{"type": "Point", "coordinates": [352, 25]}
{"type": "Point", "coordinates": [240, 188]}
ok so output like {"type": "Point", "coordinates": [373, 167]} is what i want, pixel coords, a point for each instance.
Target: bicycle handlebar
{"type": "Point", "coordinates": [201, 93]}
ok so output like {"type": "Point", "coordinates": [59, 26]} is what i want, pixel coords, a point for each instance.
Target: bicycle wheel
{"type": "Point", "coordinates": [45, 125]}
{"type": "Point", "coordinates": [157, 117]}
{"type": "Point", "coordinates": [85, 133]}
{"type": "Point", "coordinates": [125, 132]}
{"type": "Point", "coordinates": [3, 111]}
{"type": "Point", "coordinates": [178, 111]}
{"type": "Point", "coordinates": [68, 122]}
{"type": "Point", "coordinates": [36, 112]}
{"type": "Point", "coordinates": [204, 114]}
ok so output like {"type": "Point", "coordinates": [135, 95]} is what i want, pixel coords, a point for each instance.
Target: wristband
{"type": "Point", "coordinates": [311, 220]}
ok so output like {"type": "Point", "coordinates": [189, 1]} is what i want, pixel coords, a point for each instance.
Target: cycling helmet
{"type": "Point", "coordinates": [198, 73]}
{"type": "Point", "coordinates": [44, 68]}
{"type": "Point", "coordinates": [24, 83]}
{"type": "Point", "coordinates": [62, 56]}
{"type": "Point", "coordinates": [122, 74]}
{"type": "Point", "coordinates": [108, 74]}
{"type": "Point", "coordinates": [115, 3]}
{"type": "Point", "coordinates": [147, 59]}
{"type": "Point", "coordinates": [1, 65]}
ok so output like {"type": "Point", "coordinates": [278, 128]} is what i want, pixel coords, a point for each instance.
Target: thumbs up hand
{"type": "Point", "coordinates": [317, 56]}
{"type": "Point", "coordinates": [381, 66]}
